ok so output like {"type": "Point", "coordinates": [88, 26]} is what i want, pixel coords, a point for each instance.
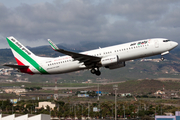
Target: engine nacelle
{"type": "Point", "coordinates": [112, 62]}
{"type": "Point", "coordinates": [109, 60]}
{"type": "Point", "coordinates": [117, 65]}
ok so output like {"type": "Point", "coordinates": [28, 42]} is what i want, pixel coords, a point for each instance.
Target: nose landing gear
{"type": "Point", "coordinates": [162, 58]}
{"type": "Point", "coordinates": [162, 54]}
{"type": "Point", "coordinates": [96, 71]}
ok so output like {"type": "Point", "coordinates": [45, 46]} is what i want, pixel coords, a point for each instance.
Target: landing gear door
{"type": "Point", "coordinates": [156, 43]}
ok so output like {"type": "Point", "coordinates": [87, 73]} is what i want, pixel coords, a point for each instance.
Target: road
{"type": "Point", "coordinates": [65, 88]}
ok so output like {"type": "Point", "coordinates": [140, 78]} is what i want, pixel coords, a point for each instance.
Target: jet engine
{"type": "Point", "coordinates": [109, 60]}
{"type": "Point", "coordinates": [112, 62]}
{"type": "Point", "coordinates": [117, 65]}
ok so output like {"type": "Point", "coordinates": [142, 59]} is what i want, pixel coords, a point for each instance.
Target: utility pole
{"type": "Point", "coordinates": [138, 112]}
{"type": "Point", "coordinates": [124, 111]}
{"type": "Point", "coordinates": [98, 107]}
{"type": "Point", "coordinates": [55, 91]}
{"type": "Point", "coordinates": [12, 109]}
{"type": "Point", "coordinates": [115, 87]}
{"type": "Point", "coordinates": [82, 110]}
{"type": "Point", "coordinates": [2, 106]}
{"type": "Point", "coordinates": [98, 93]}
{"type": "Point", "coordinates": [88, 110]}
{"type": "Point", "coordinates": [112, 110]}
{"type": "Point", "coordinates": [75, 111]}
{"type": "Point", "coordinates": [50, 112]}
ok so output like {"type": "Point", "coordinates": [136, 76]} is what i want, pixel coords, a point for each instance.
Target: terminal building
{"type": "Point", "coordinates": [170, 117]}
{"type": "Point", "coordinates": [24, 117]}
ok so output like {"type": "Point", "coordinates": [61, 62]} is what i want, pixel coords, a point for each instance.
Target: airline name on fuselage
{"type": "Point", "coordinates": [107, 59]}
{"type": "Point", "coordinates": [139, 43]}
{"type": "Point", "coordinates": [20, 46]}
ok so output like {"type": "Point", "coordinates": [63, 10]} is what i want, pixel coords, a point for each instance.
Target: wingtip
{"type": "Point", "coordinates": [54, 47]}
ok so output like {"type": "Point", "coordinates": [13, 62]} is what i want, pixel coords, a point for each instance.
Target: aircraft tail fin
{"type": "Point", "coordinates": [20, 52]}
{"type": "Point", "coordinates": [24, 57]}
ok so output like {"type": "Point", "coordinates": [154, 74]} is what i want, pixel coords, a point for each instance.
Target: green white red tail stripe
{"type": "Point", "coordinates": [24, 57]}
{"type": "Point", "coordinates": [54, 47]}
{"type": "Point", "coordinates": [24, 70]}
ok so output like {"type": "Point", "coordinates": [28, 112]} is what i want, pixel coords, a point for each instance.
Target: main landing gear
{"type": "Point", "coordinates": [96, 71]}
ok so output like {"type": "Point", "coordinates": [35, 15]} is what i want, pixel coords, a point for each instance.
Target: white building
{"type": "Point", "coordinates": [25, 117]}
{"type": "Point", "coordinates": [159, 92]}
{"type": "Point", "coordinates": [125, 94]}
{"type": "Point", "coordinates": [45, 104]}
{"type": "Point", "coordinates": [22, 117]}
{"type": "Point", "coordinates": [40, 117]}
{"type": "Point", "coordinates": [14, 90]}
{"type": "Point", "coordinates": [9, 117]}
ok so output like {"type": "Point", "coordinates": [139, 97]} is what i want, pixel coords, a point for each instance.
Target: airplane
{"type": "Point", "coordinates": [109, 57]}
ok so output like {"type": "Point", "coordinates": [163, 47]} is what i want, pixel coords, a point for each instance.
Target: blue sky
{"type": "Point", "coordinates": [32, 22]}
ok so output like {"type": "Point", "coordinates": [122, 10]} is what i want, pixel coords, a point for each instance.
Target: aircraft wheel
{"type": "Point", "coordinates": [98, 73]}
{"type": "Point", "coordinates": [162, 58]}
{"type": "Point", "coordinates": [93, 71]}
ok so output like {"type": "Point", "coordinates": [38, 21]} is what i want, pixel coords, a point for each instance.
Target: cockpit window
{"type": "Point", "coordinates": [166, 40]}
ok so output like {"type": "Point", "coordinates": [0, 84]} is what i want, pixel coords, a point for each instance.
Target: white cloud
{"type": "Point", "coordinates": [16, 3]}
{"type": "Point", "coordinates": [73, 21]}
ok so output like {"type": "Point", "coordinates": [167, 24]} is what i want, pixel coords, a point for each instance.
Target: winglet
{"type": "Point", "coordinates": [54, 47]}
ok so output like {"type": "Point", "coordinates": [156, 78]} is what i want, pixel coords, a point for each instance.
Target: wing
{"type": "Point", "coordinates": [88, 60]}
{"type": "Point", "coordinates": [15, 66]}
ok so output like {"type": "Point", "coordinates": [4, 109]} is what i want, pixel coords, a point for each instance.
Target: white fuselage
{"type": "Point", "coordinates": [125, 52]}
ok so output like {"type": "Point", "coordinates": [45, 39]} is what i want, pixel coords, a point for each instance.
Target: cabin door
{"type": "Point", "coordinates": [156, 43]}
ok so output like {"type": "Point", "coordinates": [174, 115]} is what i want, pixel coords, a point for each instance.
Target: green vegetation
{"type": "Point", "coordinates": [19, 84]}
{"type": "Point", "coordinates": [131, 109]}
{"type": "Point", "coordinates": [33, 88]}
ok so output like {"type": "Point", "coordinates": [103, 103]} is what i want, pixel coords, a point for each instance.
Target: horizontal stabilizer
{"type": "Point", "coordinates": [15, 66]}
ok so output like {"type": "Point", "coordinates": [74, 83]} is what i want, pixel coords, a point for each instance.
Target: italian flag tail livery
{"type": "Point", "coordinates": [26, 60]}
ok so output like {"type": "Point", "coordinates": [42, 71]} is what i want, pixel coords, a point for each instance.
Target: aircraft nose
{"type": "Point", "coordinates": [175, 44]}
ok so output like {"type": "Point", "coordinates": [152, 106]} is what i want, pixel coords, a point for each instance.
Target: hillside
{"type": "Point", "coordinates": [140, 86]}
